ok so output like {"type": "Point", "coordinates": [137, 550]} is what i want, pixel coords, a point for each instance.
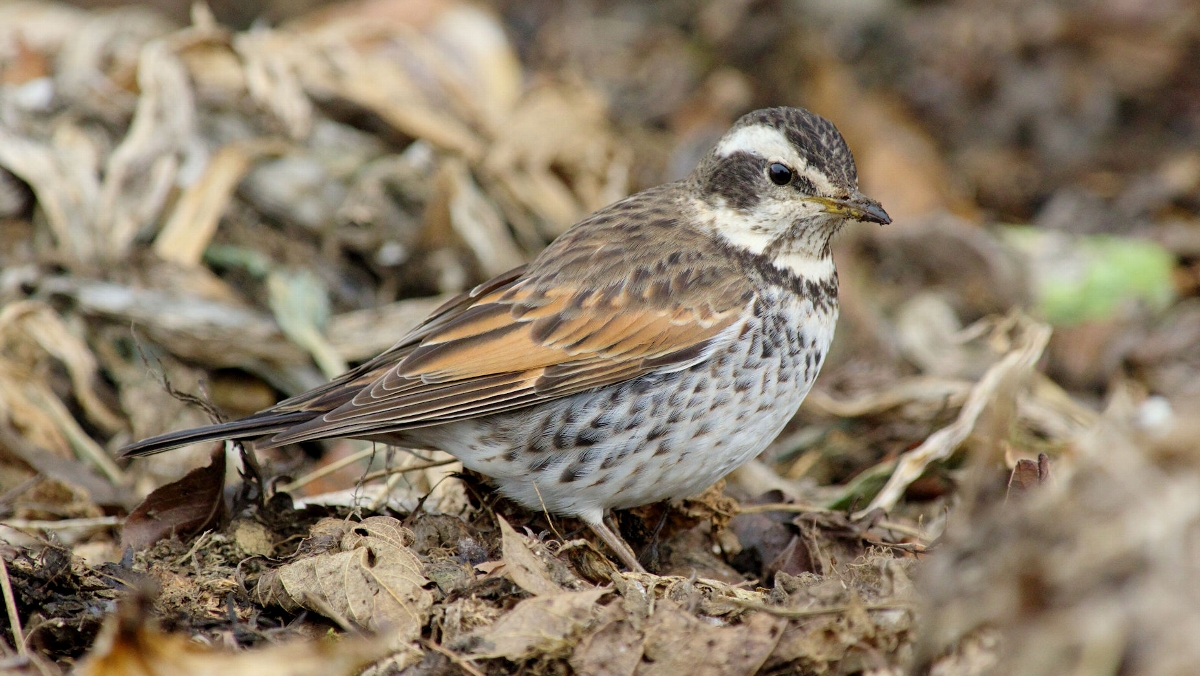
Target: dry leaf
{"type": "Point", "coordinates": [193, 222]}
{"type": "Point", "coordinates": [186, 507]}
{"type": "Point", "coordinates": [522, 565]}
{"type": "Point", "coordinates": [31, 331]}
{"type": "Point", "coordinates": [613, 649]}
{"type": "Point", "coordinates": [371, 579]}
{"type": "Point", "coordinates": [537, 626]}
{"type": "Point", "coordinates": [679, 644]}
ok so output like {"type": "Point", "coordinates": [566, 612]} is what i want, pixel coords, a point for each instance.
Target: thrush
{"type": "Point", "coordinates": [651, 349]}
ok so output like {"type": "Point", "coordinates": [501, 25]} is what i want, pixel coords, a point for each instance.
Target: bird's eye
{"type": "Point", "coordinates": [779, 173]}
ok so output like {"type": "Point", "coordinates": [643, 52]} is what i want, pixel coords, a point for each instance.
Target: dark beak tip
{"type": "Point", "coordinates": [867, 210]}
{"type": "Point", "coordinates": [875, 213]}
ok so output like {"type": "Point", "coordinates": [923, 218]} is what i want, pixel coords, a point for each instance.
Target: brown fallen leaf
{"type": "Point", "coordinates": [537, 626]}
{"type": "Point", "coordinates": [185, 508]}
{"type": "Point", "coordinates": [1028, 475]}
{"type": "Point", "coordinates": [522, 565]}
{"type": "Point", "coordinates": [371, 579]}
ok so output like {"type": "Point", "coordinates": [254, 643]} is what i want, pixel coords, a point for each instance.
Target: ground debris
{"type": "Point", "coordinates": [198, 214]}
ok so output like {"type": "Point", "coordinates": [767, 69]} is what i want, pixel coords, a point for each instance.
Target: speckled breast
{"type": "Point", "coordinates": [659, 436]}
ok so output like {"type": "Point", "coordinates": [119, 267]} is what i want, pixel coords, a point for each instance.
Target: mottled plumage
{"type": "Point", "coordinates": [647, 352]}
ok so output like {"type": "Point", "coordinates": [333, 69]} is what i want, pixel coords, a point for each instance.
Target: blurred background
{"type": "Point", "coordinates": [235, 201]}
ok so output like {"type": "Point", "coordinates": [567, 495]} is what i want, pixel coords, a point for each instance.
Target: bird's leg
{"type": "Point", "coordinates": [616, 543]}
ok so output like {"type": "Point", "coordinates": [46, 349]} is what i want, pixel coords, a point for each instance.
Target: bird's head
{"type": "Point", "coordinates": [781, 183]}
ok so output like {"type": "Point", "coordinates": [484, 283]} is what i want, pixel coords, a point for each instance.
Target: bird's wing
{"type": "Point", "coordinates": [627, 292]}
{"type": "Point", "coordinates": [520, 343]}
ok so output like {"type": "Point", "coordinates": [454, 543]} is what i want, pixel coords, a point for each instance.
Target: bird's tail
{"type": "Point", "coordinates": [247, 428]}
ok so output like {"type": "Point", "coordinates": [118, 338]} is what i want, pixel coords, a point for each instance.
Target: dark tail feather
{"type": "Point", "coordinates": [247, 428]}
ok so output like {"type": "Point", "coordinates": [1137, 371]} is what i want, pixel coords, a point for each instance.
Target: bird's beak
{"type": "Point", "coordinates": [858, 206]}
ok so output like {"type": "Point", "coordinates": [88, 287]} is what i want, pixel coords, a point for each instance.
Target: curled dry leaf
{"type": "Point", "coordinates": [32, 325]}
{"type": "Point", "coordinates": [371, 579]}
{"type": "Point", "coordinates": [141, 170]}
{"type": "Point", "coordinates": [361, 334]}
{"type": "Point", "coordinates": [52, 174]}
{"type": "Point", "coordinates": [559, 157]}
{"type": "Point", "coordinates": [270, 66]}
{"type": "Point", "coordinates": [477, 222]}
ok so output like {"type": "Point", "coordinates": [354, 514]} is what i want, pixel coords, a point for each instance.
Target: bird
{"type": "Point", "coordinates": [651, 349]}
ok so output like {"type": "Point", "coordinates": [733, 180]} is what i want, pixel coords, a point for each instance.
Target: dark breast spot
{"type": "Point", "coordinates": [589, 437]}
{"type": "Point", "coordinates": [545, 462]}
{"type": "Point", "coordinates": [719, 401]}
{"type": "Point", "coordinates": [657, 432]}
{"type": "Point", "coordinates": [577, 469]}
{"type": "Point", "coordinates": [537, 444]}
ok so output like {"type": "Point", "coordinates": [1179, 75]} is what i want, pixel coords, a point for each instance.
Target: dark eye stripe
{"type": "Point", "coordinates": [803, 184]}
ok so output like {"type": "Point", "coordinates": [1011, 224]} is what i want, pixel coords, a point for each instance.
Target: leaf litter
{"type": "Point", "coordinates": [995, 475]}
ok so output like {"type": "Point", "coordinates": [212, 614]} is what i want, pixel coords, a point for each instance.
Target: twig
{"type": "Point", "coordinates": [160, 374]}
{"type": "Point", "coordinates": [351, 459]}
{"type": "Point", "coordinates": [10, 604]}
{"type": "Point", "coordinates": [385, 494]}
{"type": "Point", "coordinates": [455, 659]}
{"type": "Point", "coordinates": [194, 548]}
{"type": "Point", "coordinates": [811, 612]}
{"type": "Point", "coordinates": [321, 472]}
{"type": "Point", "coordinates": [64, 524]}
{"type": "Point", "coordinates": [371, 476]}
{"type": "Point", "coordinates": [549, 518]}
{"type": "Point", "coordinates": [797, 507]}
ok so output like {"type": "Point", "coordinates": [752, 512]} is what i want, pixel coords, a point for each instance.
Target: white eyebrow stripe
{"type": "Point", "coordinates": [820, 181]}
{"type": "Point", "coordinates": [770, 144]}
{"type": "Point", "coordinates": [766, 142]}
